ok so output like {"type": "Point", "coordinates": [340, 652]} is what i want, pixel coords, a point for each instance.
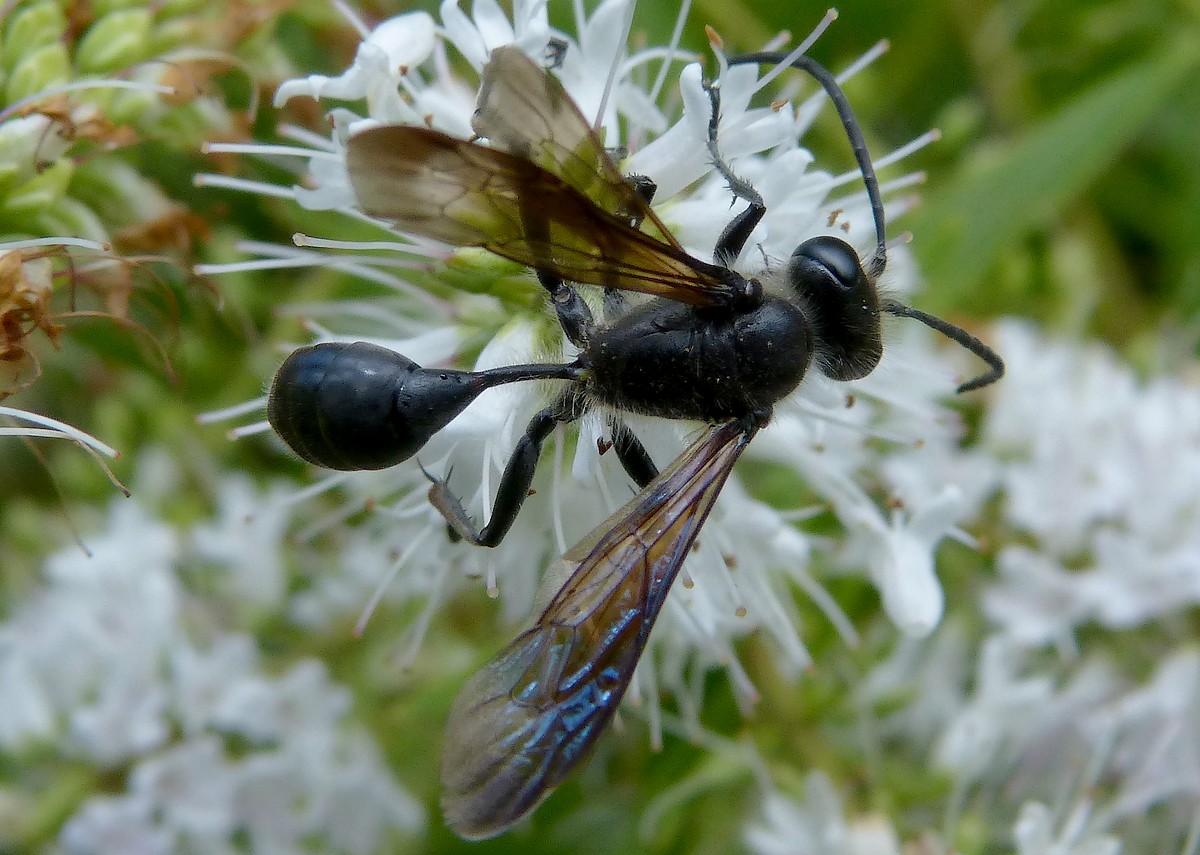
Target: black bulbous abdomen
{"type": "Point", "coordinates": [361, 406]}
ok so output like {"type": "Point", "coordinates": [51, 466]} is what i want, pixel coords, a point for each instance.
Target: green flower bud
{"type": "Point", "coordinates": [39, 69]}
{"type": "Point", "coordinates": [21, 144]}
{"type": "Point", "coordinates": [29, 200]}
{"type": "Point", "coordinates": [117, 40]}
{"type": "Point", "coordinates": [32, 27]}
{"type": "Point", "coordinates": [117, 189]}
{"type": "Point", "coordinates": [107, 7]}
{"type": "Point", "coordinates": [71, 217]}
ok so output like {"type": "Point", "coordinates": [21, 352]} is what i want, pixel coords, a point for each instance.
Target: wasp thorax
{"type": "Point", "coordinates": [827, 274]}
{"type": "Point", "coordinates": [361, 406]}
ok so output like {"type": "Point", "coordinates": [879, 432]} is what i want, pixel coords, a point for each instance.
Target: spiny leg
{"type": "Point", "coordinates": [514, 483]}
{"type": "Point", "coordinates": [733, 238]}
{"type": "Point", "coordinates": [556, 52]}
{"type": "Point", "coordinates": [645, 188]}
{"type": "Point", "coordinates": [858, 143]}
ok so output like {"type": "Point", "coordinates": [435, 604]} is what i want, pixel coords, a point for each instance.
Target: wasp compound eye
{"type": "Point", "coordinates": [361, 406]}
{"type": "Point", "coordinates": [827, 275]}
{"type": "Point", "coordinates": [830, 256]}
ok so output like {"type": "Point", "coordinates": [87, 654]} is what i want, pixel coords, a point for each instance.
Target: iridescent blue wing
{"type": "Point", "coordinates": [532, 713]}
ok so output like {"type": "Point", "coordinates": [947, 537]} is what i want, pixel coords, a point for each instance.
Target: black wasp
{"type": "Point", "coordinates": [710, 345]}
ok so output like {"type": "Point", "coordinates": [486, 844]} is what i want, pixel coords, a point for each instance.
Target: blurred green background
{"type": "Point", "coordinates": [1066, 188]}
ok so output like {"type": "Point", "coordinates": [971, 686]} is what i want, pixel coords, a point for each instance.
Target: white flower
{"type": "Point", "coordinates": [190, 788]}
{"type": "Point", "coordinates": [734, 584]}
{"type": "Point", "coordinates": [1036, 833]}
{"type": "Point", "coordinates": [1039, 601]}
{"type": "Point", "coordinates": [477, 36]}
{"type": "Point", "coordinates": [903, 570]}
{"type": "Point", "coordinates": [93, 641]}
{"type": "Point", "coordinates": [817, 826]}
{"type": "Point", "coordinates": [384, 58]}
{"type": "Point", "coordinates": [999, 719]}
{"type": "Point", "coordinates": [108, 825]}
{"type": "Point", "coordinates": [1150, 737]}
{"type": "Point", "coordinates": [244, 541]}
{"type": "Point", "coordinates": [1101, 471]}
{"type": "Point", "coordinates": [105, 672]}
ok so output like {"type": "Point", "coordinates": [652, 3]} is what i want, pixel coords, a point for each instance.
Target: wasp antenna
{"type": "Point", "coordinates": [829, 83]}
{"type": "Point", "coordinates": [959, 336]}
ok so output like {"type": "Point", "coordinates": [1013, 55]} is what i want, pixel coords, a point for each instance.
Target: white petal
{"type": "Point", "coordinates": [493, 23]}
{"type": "Point", "coordinates": [602, 38]}
{"type": "Point", "coordinates": [349, 85]}
{"type": "Point", "coordinates": [407, 40]}
{"type": "Point", "coordinates": [912, 594]}
{"type": "Point", "coordinates": [462, 33]}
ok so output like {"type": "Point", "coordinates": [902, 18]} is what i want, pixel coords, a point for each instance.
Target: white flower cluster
{"type": "Point", "coordinates": [114, 670]}
{"type": "Point", "coordinates": [1101, 472]}
{"type": "Point", "coordinates": [1069, 742]}
{"type": "Point", "coordinates": [401, 74]}
{"type": "Point", "coordinates": [817, 826]}
{"type": "Point", "coordinates": [1098, 474]}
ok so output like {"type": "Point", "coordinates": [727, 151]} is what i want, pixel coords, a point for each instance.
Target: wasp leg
{"type": "Point", "coordinates": [556, 52]}
{"type": "Point", "coordinates": [820, 73]}
{"type": "Point", "coordinates": [574, 316]}
{"type": "Point", "coordinates": [733, 238]}
{"type": "Point", "coordinates": [635, 460]}
{"type": "Point", "coordinates": [645, 188]}
{"type": "Point", "coordinates": [615, 304]}
{"type": "Point", "coordinates": [514, 483]}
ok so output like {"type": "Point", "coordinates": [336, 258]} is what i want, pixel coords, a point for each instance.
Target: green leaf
{"type": "Point", "coordinates": [962, 231]}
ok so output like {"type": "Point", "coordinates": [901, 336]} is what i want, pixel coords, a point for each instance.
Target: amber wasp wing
{"type": "Point", "coordinates": [524, 110]}
{"type": "Point", "coordinates": [532, 713]}
{"type": "Point", "coordinates": [539, 214]}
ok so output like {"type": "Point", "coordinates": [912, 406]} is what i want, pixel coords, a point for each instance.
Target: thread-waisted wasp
{"type": "Point", "coordinates": [709, 345]}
